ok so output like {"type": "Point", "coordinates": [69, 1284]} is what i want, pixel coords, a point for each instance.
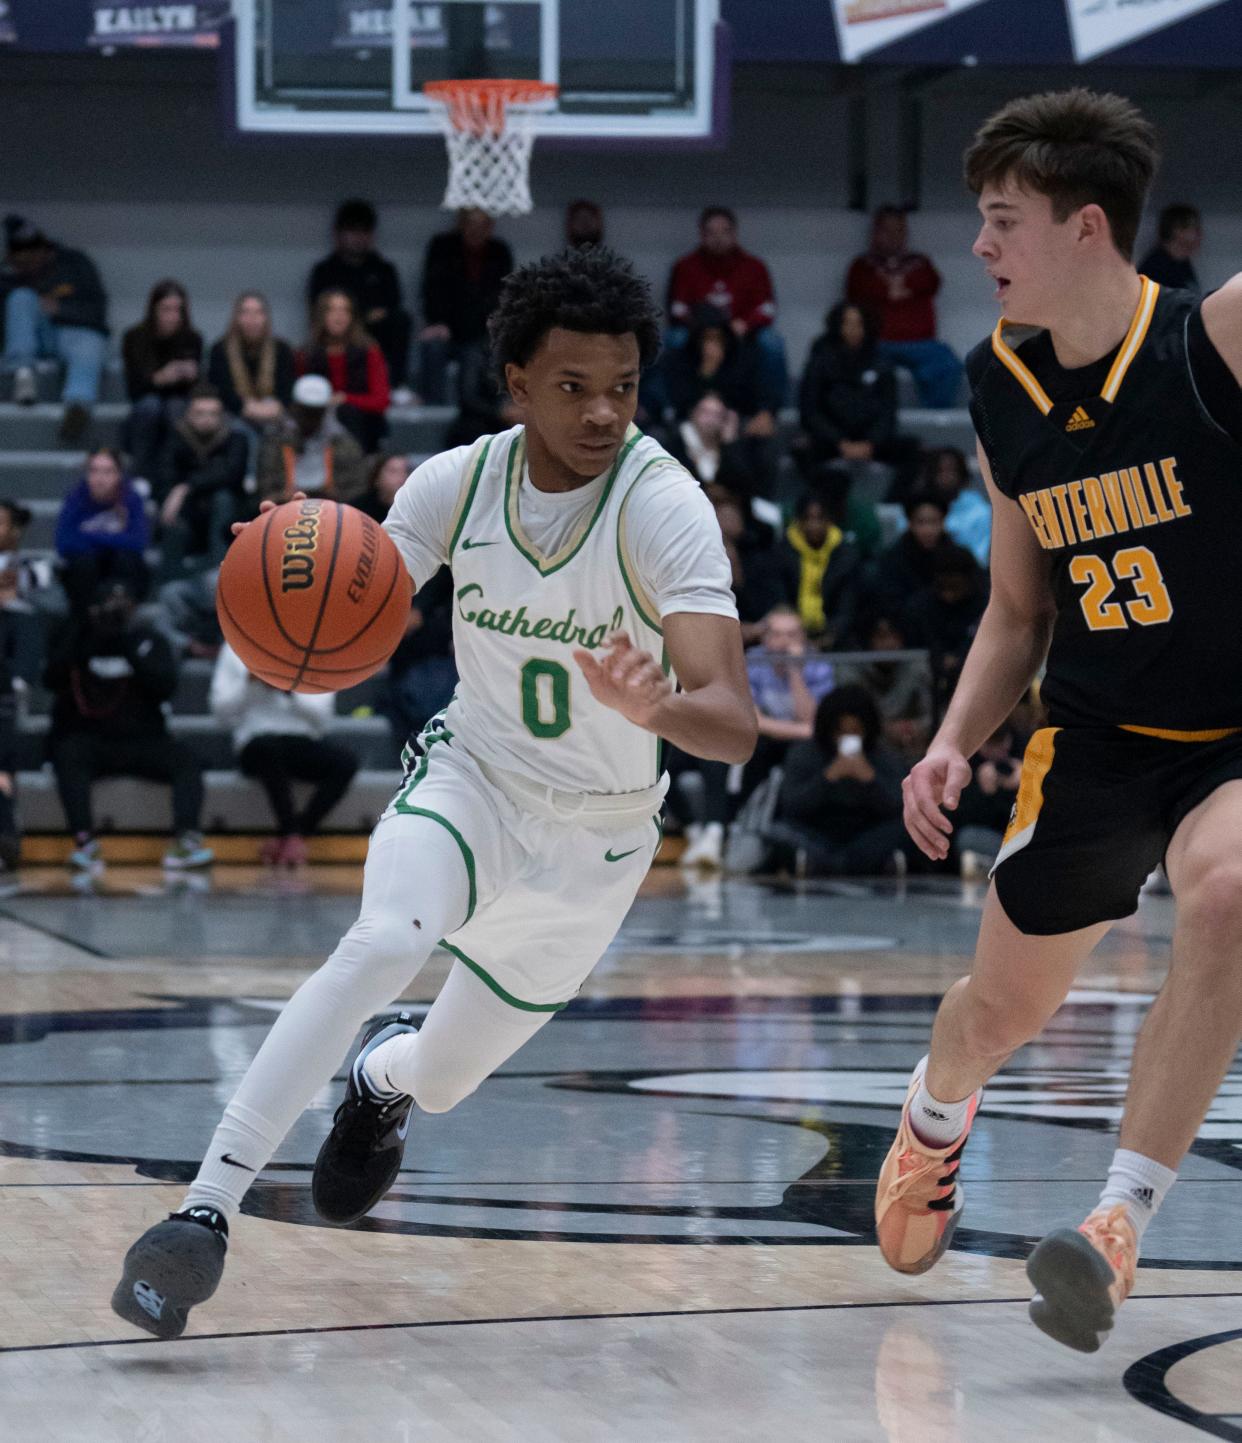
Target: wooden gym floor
{"type": "Point", "coordinates": [652, 1224]}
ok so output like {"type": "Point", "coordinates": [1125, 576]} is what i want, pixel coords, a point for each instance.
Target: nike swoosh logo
{"type": "Point", "coordinates": [468, 545]}
{"type": "Point", "coordinates": [619, 856]}
{"type": "Point", "coordinates": [232, 1162]}
{"type": "Point", "coordinates": [405, 1126]}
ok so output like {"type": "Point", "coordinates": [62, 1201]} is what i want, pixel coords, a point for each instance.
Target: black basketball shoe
{"type": "Point", "coordinates": [172, 1267]}
{"type": "Point", "coordinates": [361, 1156]}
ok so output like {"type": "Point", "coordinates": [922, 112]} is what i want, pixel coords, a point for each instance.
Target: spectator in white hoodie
{"type": "Point", "coordinates": [279, 739]}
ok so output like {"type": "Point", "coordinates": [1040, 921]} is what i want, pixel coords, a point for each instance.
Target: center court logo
{"type": "Point", "coordinates": [582, 1090]}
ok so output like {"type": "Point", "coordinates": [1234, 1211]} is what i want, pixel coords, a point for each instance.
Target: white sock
{"type": "Point", "coordinates": [936, 1123]}
{"type": "Point", "coordinates": [1139, 1185]}
{"type": "Point", "coordinates": [375, 1068]}
{"type": "Point", "coordinates": [467, 1033]}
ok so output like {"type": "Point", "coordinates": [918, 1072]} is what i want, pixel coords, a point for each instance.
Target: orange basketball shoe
{"type": "Point", "coordinates": [918, 1199]}
{"type": "Point", "coordinates": [1082, 1276]}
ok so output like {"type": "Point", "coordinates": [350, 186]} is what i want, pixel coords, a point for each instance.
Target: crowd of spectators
{"type": "Point", "coordinates": [859, 559]}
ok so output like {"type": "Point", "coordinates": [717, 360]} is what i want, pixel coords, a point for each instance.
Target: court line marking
{"type": "Point", "coordinates": [1146, 1381]}
{"type": "Point", "coordinates": [56, 936]}
{"type": "Point", "coordinates": [569, 1318]}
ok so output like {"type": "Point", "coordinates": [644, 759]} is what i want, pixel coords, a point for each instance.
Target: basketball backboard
{"type": "Point", "coordinates": [630, 69]}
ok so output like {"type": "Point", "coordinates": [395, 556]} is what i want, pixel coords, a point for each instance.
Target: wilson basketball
{"type": "Point", "coordinates": [313, 596]}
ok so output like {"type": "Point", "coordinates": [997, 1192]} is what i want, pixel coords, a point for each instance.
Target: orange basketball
{"type": "Point", "coordinates": [313, 596]}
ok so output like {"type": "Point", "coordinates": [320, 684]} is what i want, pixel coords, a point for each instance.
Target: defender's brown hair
{"type": "Point", "coordinates": [1076, 147]}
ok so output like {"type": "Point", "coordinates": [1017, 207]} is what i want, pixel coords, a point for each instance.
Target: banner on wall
{"type": "Point", "coordinates": [1098, 26]}
{"type": "Point", "coordinates": [363, 24]}
{"type": "Point", "coordinates": [158, 25]}
{"type": "Point", "coordinates": [867, 25]}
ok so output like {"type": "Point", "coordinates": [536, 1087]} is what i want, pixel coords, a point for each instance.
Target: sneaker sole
{"type": "Point", "coordinates": [926, 1263]}
{"type": "Point", "coordinates": [175, 1273]}
{"type": "Point", "coordinates": [342, 1220]}
{"type": "Point", "coordinates": [1072, 1280]}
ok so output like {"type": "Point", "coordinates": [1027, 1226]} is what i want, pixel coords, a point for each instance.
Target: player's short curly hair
{"type": "Point", "coordinates": [595, 291]}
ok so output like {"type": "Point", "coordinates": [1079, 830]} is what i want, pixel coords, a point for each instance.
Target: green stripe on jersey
{"type": "Point", "coordinates": [474, 486]}
{"type": "Point", "coordinates": [484, 976]}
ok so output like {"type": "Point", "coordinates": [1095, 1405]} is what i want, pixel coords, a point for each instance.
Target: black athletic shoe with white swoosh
{"type": "Point", "coordinates": [361, 1156]}
{"type": "Point", "coordinates": [170, 1269]}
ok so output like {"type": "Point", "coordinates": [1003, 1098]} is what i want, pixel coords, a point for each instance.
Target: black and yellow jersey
{"type": "Point", "coordinates": [1129, 472]}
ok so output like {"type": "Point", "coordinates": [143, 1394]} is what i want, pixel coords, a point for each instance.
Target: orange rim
{"type": "Point", "coordinates": [472, 104]}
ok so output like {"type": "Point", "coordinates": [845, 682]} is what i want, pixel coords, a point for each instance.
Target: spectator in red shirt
{"type": "Point", "coordinates": [342, 350]}
{"type": "Point", "coordinates": [899, 285]}
{"type": "Point", "coordinates": [721, 274]}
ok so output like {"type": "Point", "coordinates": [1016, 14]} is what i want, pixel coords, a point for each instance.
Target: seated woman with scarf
{"type": "Point", "coordinates": [252, 369]}
{"type": "Point", "coordinates": [821, 569]}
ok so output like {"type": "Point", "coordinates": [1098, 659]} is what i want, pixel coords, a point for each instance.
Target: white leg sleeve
{"type": "Point", "coordinates": [415, 890]}
{"type": "Point", "coordinates": [465, 1037]}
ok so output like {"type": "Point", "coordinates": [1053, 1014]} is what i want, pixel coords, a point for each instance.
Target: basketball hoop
{"type": "Point", "coordinates": [489, 126]}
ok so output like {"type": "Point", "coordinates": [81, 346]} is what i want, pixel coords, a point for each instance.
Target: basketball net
{"type": "Point", "coordinates": [489, 127]}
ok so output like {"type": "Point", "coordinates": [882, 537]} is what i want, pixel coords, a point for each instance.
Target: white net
{"type": "Point", "coordinates": [489, 127]}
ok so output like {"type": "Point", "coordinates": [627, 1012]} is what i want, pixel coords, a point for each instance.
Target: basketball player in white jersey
{"type": "Point", "coordinates": [593, 618]}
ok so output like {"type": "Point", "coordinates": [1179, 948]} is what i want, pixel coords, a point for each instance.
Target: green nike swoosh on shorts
{"type": "Point", "coordinates": [469, 545]}
{"type": "Point", "coordinates": [608, 856]}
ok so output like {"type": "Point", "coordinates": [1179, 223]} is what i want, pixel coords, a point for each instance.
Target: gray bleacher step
{"type": "Point", "coordinates": [940, 428]}
{"type": "Point", "coordinates": [194, 688]}
{"type": "Point", "coordinates": [40, 480]}
{"type": "Point", "coordinates": [369, 738]}
{"type": "Point", "coordinates": [37, 428]}
{"type": "Point", "coordinates": [232, 803]}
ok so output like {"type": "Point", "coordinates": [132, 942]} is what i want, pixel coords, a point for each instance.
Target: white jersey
{"type": "Point", "coordinates": [633, 546]}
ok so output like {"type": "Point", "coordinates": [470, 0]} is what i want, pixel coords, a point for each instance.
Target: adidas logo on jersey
{"type": "Point", "coordinates": [1079, 421]}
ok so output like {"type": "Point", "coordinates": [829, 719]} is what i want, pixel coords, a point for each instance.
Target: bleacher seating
{"type": "Point", "coordinates": [37, 470]}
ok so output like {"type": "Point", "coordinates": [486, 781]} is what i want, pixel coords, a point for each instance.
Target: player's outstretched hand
{"type": "Point", "coordinates": [626, 679]}
{"type": "Point", "coordinates": [934, 786]}
{"type": "Point", "coordinates": [264, 508]}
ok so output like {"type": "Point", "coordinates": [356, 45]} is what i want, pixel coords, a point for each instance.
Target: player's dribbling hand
{"type": "Point", "coordinates": [626, 679]}
{"type": "Point", "coordinates": [264, 507]}
{"type": "Point", "coordinates": [933, 786]}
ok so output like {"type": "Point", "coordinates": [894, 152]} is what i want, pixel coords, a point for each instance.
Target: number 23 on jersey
{"type": "Point", "coordinates": [1150, 605]}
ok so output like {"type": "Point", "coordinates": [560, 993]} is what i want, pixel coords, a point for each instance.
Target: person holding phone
{"type": "Point", "coordinates": [840, 801]}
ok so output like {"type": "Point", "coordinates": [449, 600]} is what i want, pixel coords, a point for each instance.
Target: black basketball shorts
{"type": "Point", "coordinates": [1096, 810]}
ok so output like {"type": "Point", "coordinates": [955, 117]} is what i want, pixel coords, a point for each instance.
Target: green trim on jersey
{"type": "Point", "coordinates": [427, 739]}
{"type": "Point", "coordinates": [486, 978]}
{"type": "Point", "coordinates": [406, 810]}
{"type": "Point", "coordinates": [631, 585]}
{"type": "Point", "coordinates": [665, 667]}
{"type": "Point", "coordinates": [546, 565]}
{"type": "Point", "coordinates": [474, 486]}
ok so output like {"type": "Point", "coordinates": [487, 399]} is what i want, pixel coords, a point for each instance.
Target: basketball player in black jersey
{"type": "Point", "coordinates": [1109, 417]}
